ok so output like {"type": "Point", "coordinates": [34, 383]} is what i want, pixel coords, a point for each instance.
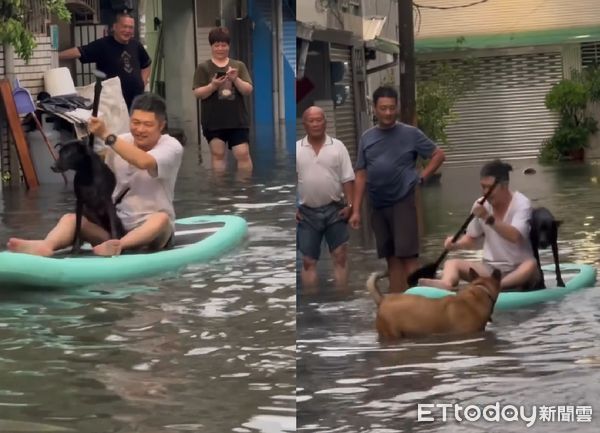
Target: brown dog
{"type": "Point", "coordinates": [404, 315]}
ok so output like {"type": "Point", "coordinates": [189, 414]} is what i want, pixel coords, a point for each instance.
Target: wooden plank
{"type": "Point", "coordinates": [14, 122]}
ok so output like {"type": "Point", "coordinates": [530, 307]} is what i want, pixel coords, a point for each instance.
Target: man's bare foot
{"type": "Point", "coordinates": [36, 248]}
{"type": "Point", "coordinates": [435, 283]}
{"type": "Point", "coordinates": [111, 247]}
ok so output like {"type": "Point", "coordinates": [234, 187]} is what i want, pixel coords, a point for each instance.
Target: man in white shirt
{"type": "Point", "coordinates": [146, 162]}
{"type": "Point", "coordinates": [504, 223]}
{"type": "Point", "coordinates": [326, 190]}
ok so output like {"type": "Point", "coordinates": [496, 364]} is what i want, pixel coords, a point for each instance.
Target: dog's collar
{"type": "Point", "coordinates": [487, 292]}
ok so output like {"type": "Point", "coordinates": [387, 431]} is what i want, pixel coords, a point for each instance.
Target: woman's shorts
{"type": "Point", "coordinates": [232, 137]}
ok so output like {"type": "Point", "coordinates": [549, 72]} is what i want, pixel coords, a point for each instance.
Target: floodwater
{"type": "Point", "coordinates": [543, 355]}
{"type": "Point", "coordinates": [211, 349]}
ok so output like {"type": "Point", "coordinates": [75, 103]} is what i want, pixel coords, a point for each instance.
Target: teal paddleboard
{"type": "Point", "coordinates": [197, 239]}
{"type": "Point", "coordinates": [576, 276]}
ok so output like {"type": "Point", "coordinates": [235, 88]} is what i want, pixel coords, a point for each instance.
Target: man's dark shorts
{"type": "Point", "coordinates": [320, 222]}
{"type": "Point", "coordinates": [232, 137]}
{"type": "Point", "coordinates": [396, 229]}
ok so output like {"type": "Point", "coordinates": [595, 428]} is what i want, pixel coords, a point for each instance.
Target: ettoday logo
{"type": "Point", "coordinates": [503, 413]}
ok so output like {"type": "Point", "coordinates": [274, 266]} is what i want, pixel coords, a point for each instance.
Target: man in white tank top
{"type": "Point", "coordinates": [503, 224]}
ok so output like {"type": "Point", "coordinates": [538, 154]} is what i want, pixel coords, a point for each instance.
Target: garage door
{"type": "Point", "coordinates": [502, 115]}
{"type": "Point", "coordinates": [345, 123]}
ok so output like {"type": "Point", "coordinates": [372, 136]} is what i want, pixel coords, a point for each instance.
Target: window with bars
{"type": "Point", "coordinates": [590, 54]}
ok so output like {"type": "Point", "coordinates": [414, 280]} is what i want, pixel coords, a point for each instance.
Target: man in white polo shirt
{"type": "Point", "coordinates": [326, 190]}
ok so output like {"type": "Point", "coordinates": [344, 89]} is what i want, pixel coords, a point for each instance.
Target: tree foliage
{"type": "Point", "coordinates": [438, 93]}
{"type": "Point", "coordinates": [14, 14]}
{"type": "Point", "coordinates": [436, 97]}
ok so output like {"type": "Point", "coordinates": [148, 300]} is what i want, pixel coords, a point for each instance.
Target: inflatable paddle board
{"type": "Point", "coordinates": [576, 277]}
{"type": "Point", "coordinates": [197, 239]}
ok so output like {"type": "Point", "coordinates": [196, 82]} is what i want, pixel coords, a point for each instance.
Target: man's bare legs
{"type": "Point", "coordinates": [308, 274]}
{"type": "Point", "coordinates": [154, 233]}
{"type": "Point", "coordinates": [61, 236]}
{"type": "Point", "coordinates": [526, 274]}
{"type": "Point", "coordinates": [340, 265]}
{"type": "Point", "coordinates": [456, 270]}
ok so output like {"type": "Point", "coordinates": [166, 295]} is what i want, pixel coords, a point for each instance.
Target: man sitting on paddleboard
{"type": "Point", "coordinates": [504, 223]}
{"type": "Point", "coordinates": [146, 162]}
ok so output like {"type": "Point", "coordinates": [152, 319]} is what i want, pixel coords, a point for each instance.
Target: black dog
{"type": "Point", "coordinates": [94, 184]}
{"type": "Point", "coordinates": [544, 233]}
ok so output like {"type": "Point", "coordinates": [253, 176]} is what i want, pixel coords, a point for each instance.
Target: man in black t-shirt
{"type": "Point", "coordinates": [117, 55]}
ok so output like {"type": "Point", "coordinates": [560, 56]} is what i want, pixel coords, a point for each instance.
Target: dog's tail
{"type": "Point", "coordinates": [373, 288]}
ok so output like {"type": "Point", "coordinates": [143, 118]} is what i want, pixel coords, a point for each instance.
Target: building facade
{"type": "Point", "coordinates": [331, 67]}
{"type": "Point", "coordinates": [511, 53]}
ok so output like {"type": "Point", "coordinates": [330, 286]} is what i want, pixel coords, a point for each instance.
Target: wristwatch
{"type": "Point", "coordinates": [490, 220]}
{"type": "Point", "coordinates": [110, 139]}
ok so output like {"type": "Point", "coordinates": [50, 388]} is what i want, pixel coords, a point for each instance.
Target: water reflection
{"type": "Point", "coordinates": [209, 349]}
{"type": "Point", "coordinates": [546, 354]}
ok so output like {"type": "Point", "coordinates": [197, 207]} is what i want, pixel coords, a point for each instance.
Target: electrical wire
{"type": "Point", "coordinates": [418, 19]}
{"type": "Point", "coordinates": [451, 7]}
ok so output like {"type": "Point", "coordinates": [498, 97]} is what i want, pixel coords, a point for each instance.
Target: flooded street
{"type": "Point", "coordinates": [542, 355]}
{"type": "Point", "coordinates": [210, 349]}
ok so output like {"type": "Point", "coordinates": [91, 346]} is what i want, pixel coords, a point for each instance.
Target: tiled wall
{"type": "Point", "coordinates": [31, 76]}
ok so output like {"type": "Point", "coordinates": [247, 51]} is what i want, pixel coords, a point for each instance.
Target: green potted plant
{"type": "Point", "coordinates": [569, 98]}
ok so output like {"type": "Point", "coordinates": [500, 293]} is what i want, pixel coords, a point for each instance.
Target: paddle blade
{"type": "Point", "coordinates": [427, 271]}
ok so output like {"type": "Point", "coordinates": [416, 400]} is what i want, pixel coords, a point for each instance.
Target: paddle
{"type": "Point", "coordinates": [429, 270]}
{"type": "Point", "coordinates": [97, 89]}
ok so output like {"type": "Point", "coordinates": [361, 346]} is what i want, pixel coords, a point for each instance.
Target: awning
{"type": "Point", "coordinates": [384, 45]}
{"type": "Point", "coordinates": [312, 32]}
{"type": "Point", "coordinates": [509, 40]}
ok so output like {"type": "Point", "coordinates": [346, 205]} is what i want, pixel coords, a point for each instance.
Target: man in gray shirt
{"type": "Point", "coordinates": [386, 165]}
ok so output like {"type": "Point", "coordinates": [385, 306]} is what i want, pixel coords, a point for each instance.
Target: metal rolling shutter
{"type": "Point", "coordinates": [203, 52]}
{"type": "Point", "coordinates": [345, 123]}
{"type": "Point", "coordinates": [289, 37]}
{"type": "Point", "coordinates": [327, 106]}
{"type": "Point", "coordinates": [503, 114]}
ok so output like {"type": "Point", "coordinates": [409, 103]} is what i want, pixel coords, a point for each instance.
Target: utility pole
{"type": "Point", "coordinates": [408, 103]}
{"type": "Point", "coordinates": [408, 112]}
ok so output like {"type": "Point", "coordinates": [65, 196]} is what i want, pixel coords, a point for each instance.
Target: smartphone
{"type": "Point", "coordinates": [220, 74]}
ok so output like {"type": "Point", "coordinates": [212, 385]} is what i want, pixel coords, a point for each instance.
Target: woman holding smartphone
{"type": "Point", "coordinates": [221, 84]}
